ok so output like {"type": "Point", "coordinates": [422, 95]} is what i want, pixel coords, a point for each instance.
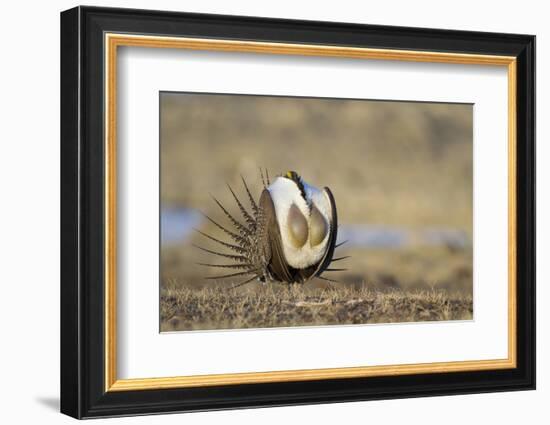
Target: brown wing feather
{"type": "Point", "coordinates": [333, 232]}
{"type": "Point", "coordinates": [272, 237]}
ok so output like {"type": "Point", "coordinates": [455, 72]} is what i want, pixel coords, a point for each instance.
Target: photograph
{"type": "Point", "coordinates": [289, 210]}
{"type": "Point", "coordinates": [283, 211]}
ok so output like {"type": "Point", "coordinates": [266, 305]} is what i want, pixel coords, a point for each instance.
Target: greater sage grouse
{"type": "Point", "coordinates": [289, 236]}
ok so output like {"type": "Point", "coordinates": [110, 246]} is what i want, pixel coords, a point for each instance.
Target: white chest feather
{"type": "Point", "coordinates": [284, 193]}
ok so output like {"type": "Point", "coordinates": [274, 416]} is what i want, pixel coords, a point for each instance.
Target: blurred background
{"type": "Point", "coordinates": [401, 173]}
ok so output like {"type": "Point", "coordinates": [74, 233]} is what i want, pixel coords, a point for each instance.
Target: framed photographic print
{"type": "Point", "coordinates": [261, 212]}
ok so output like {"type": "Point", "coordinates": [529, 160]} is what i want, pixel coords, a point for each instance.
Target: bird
{"type": "Point", "coordinates": [287, 236]}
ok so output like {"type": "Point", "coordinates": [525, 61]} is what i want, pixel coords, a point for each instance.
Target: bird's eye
{"type": "Point", "coordinates": [318, 227]}
{"type": "Point", "coordinates": [297, 225]}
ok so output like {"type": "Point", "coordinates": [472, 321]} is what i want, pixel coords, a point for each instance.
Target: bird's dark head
{"type": "Point", "coordinates": [295, 177]}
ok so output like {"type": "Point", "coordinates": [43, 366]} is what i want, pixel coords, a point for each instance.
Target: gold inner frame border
{"type": "Point", "coordinates": [113, 40]}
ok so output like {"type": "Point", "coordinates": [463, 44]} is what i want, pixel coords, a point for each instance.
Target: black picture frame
{"type": "Point", "coordinates": [83, 392]}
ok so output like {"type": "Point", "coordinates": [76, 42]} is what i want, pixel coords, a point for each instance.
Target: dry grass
{"type": "Point", "coordinates": [380, 286]}
{"type": "Point", "coordinates": [278, 306]}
